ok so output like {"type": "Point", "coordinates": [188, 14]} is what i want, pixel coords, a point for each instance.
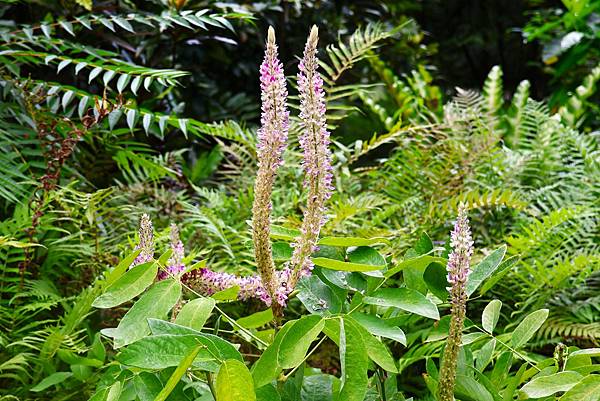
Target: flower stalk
{"type": "Point", "coordinates": [458, 268]}
{"type": "Point", "coordinates": [314, 142]}
{"type": "Point", "coordinates": [272, 138]}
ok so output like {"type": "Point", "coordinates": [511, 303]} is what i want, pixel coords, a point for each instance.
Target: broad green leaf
{"type": "Point", "coordinates": [165, 350]}
{"type": "Point", "coordinates": [435, 277]}
{"type": "Point", "coordinates": [195, 313]}
{"type": "Point", "coordinates": [352, 241]}
{"type": "Point", "coordinates": [281, 251]}
{"type": "Point", "coordinates": [490, 316]}
{"type": "Point", "coordinates": [114, 117]}
{"type": "Point", "coordinates": [295, 342]}
{"type": "Point", "coordinates": [367, 256]}
{"type": "Point", "coordinates": [345, 266]}
{"type": "Point", "coordinates": [114, 392]}
{"type": "Point", "coordinates": [588, 389]}
{"type": "Point", "coordinates": [405, 299]}
{"type": "Point", "coordinates": [502, 270]}
{"type": "Point", "coordinates": [468, 389]}
{"type": "Point", "coordinates": [376, 350]}
{"type": "Point", "coordinates": [108, 76]}
{"type": "Point", "coordinates": [257, 319]}
{"type": "Point", "coordinates": [94, 73]}
{"type": "Point", "coordinates": [53, 379]}
{"type": "Point", "coordinates": [147, 386]}
{"type": "Point", "coordinates": [128, 286]}
{"type": "Point", "coordinates": [380, 327]}
{"type": "Point", "coordinates": [178, 373]}
{"type": "Point", "coordinates": [284, 233]}
{"type": "Point", "coordinates": [155, 303]}
{"type": "Point", "coordinates": [268, 393]}
{"type": "Point", "coordinates": [484, 269]}
{"type": "Point", "coordinates": [527, 328]}
{"type": "Point", "coordinates": [121, 268]}
{"type": "Point", "coordinates": [122, 82]}
{"type": "Point", "coordinates": [234, 382]}
{"type": "Point", "coordinates": [319, 298]}
{"type": "Point", "coordinates": [420, 262]}
{"type": "Point", "coordinates": [424, 245]}
{"type": "Point", "coordinates": [587, 351]}
{"type": "Point", "coordinates": [319, 387]}
{"type": "Point", "coordinates": [544, 386]}
{"type": "Point", "coordinates": [485, 355]}
{"type": "Point", "coordinates": [135, 84]}
{"type": "Point", "coordinates": [226, 295]}
{"type": "Point", "coordinates": [354, 362]}
{"type": "Point", "coordinates": [266, 368]}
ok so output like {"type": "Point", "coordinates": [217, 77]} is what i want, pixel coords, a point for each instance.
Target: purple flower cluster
{"type": "Point", "coordinates": [207, 282]}
{"type": "Point", "coordinates": [458, 273]}
{"type": "Point", "coordinates": [175, 264]}
{"type": "Point", "coordinates": [314, 142]}
{"type": "Point", "coordinates": [272, 138]}
{"type": "Point", "coordinates": [462, 249]}
{"type": "Point", "coordinates": [146, 241]}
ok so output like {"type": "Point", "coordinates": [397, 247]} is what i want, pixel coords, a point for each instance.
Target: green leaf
{"type": "Point", "coordinates": [345, 266]}
{"type": "Point", "coordinates": [484, 269]}
{"type": "Point", "coordinates": [527, 328]}
{"type": "Point", "coordinates": [94, 73]}
{"type": "Point", "coordinates": [234, 382]}
{"type": "Point", "coordinates": [354, 362]}
{"type": "Point", "coordinates": [108, 76]}
{"type": "Point", "coordinates": [318, 297]}
{"type": "Point", "coordinates": [121, 268]}
{"type": "Point", "coordinates": [113, 118]}
{"type": "Point", "coordinates": [131, 117]}
{"type": "Point", "coordinates": [128, 286]}
{"type": "Point", "coordinates": [544, 386]}
{"type": "Point", "coordinates": [485, 354]}
{"type": "Point", "coordinates": [266, 368]}
{"type": "Point", "coordinates": [586, 390]}
{"type": "Point", "coordinates": [376, 350]}
{"type": "Point", "coordinates": [228, 294]}
{"type": "Point", "coordinates": [178, 374]}
{"type": "Point", "coordinates": [435, 277]}
{"type": "Point", "coordinates": [268, 393]}
{"type": "Point", "coordinates": [420, 262]}
{"type": "Point", "coordinates": [367, 256]}
{"type": "Point", "coordinates": [67, 26]}
{"type": "Point", "coordinates": [135, 84]}
{"type": "Point", "coordinates": [147, 386]}
{"type": "Point", "coordinates": [352, 241]}
{"type": "Point", "coordinates": [282, 251]}
{"type": "Point", "coordinates": [467, 389]}
{"type": "Point", "coordinates": [165, 350]}
{"type": "Point", "coordinates": [155, 303]}
{"type": "Point", "coordinates": [295, 343]}
{"type": "Point", "coordinates": [122, 82]}
{"type": "Point", "coordinates": [146, 121]}
{"type": "Point", "coordinates": [183, 126]}
{"type": "Point", "coordinates": [53, 379]}
{"type": "Point", "coordinates": [380, 327]}
{"type": "Point", "coordinates": [284, 233]}
{"type": "Point", "coordinates": [502, 270]}
{"type": "Point", "coordinates": [195, 313]}
{"type": "Point", "coordinates": [405, 299]}
{"type": "Point", "coordinates": [490, 315]}
{"type": "Point", "coordinates": [257, 319]}
{"type": "Point", "coordinates": [123, 23]}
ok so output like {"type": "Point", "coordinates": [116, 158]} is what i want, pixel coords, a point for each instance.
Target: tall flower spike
{"type": "Point", "coordinates": [458, 273]}
{"type": "Point", "coordinates": [175, 264]}
{"type": "Point", "coordinates": [146, 238]}
{"type": "Point", "coordinates": [272, 138]}
{"type": "Point", "coordinates": [314, 142]}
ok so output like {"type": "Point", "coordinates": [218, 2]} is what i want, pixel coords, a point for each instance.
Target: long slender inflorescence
{"type": "Point", "coordinates": [146, 241]}
{"type": "Point", "coordinates": [272, 138]}
{"type": "Point", "coordinates": [458, 273]}
{"type": "Point", "coordinates": [317, 158]}
{"type": "Point", "coordinates": [175, 264]}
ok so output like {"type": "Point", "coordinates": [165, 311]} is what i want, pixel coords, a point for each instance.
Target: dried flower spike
{"type": "Point", "coordinates": [314, 142]}
{"type": "Point", "coordinates": [272, 138]}
{"type": "Point", "coordinates": [458, 273]}
{"type": "Point", "coordinates": [146, 241]}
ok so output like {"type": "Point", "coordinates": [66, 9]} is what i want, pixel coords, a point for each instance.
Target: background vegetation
{"type": "Point", "coordinates": [111, 109]}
